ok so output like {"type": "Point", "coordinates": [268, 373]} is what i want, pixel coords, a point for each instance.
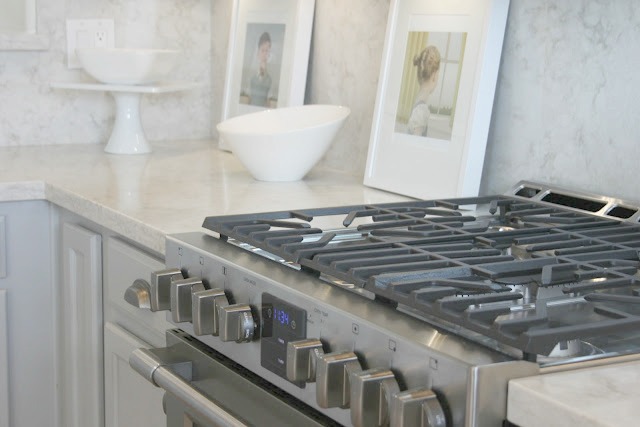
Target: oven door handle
{"type": "Point", "coordinates": [164, 368]}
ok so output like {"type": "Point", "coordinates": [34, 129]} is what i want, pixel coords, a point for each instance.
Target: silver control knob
{"type": "Point", "coordinates": [139, 294]}
{"type": "Point", "coordinates": [371, 393]}
{"type": "Point", "coordinates": [302, 358]}
{"type": "Point", "coordinates": [332, 378]}
{"type": "Point", "coordinates": [205, 305]}
{"type": "Point", "coordinates": [181, 290]}
{"type": "Point", "coordinates": [236, 323]}
{"type": "Point", "coordinates": [419, 407]}
{"type": "Point", "coordinates": [155, 294]}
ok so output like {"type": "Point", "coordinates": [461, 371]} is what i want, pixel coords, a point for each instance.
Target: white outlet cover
{"type": "Point", "coordinates": [87, 33]}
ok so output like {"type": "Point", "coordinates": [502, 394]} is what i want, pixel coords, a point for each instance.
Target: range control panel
{"type": "Point", "coordinates": [281, 323]}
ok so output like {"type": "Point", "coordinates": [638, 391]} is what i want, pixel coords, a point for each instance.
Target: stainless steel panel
{"type": "Point", "coordinates": [244, 396]}
{"type": "Point", "coordinates": [487, 391]}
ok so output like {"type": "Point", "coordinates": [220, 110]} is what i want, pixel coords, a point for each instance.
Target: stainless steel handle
{"type": "Point", "coordinates": [154, 368]}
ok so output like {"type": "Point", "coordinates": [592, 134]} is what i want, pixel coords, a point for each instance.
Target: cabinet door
{"type": "Point", "coordinates": [130, 400]}
{"type": "Point", "coordinates": [4, 360]}
{"type": "Point", "coordinates": [27, 316]}
{"type": "Point", "coordinates": [80, 335]}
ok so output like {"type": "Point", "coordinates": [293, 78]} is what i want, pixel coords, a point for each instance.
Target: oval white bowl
{"type": "Point", "coordinates": [283, 144]}
{"type": "Point", "coordinates": [127, 66]}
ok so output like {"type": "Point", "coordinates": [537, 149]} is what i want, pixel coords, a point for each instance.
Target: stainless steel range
{"type": "Point", "coordinates": [409, 314]}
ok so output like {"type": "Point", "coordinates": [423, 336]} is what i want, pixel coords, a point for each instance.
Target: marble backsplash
{"type": "Point", "coordinates": [564, 110]}
{"type": "Point", "coordinates": [33, 113]}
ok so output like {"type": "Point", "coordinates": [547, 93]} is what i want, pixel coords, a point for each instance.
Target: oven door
{"type": "Point", "coordinates": [205, 388]}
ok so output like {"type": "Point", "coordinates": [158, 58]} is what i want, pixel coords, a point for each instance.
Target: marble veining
{"type": "Point", "coordinates": [605, 396]}
{"type": "Point", "coordinates": [565, 107]}
{"type": "Point", "coordinates": [171, 190]}
{"type": "Point", "coordinates": [32, 113]}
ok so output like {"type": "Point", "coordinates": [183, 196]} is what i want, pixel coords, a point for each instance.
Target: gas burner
{"type": "Point", "coordinates": [529, 270]}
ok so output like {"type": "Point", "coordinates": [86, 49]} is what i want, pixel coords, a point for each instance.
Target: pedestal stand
{"type": "Point", "coordinates": [127, 136]}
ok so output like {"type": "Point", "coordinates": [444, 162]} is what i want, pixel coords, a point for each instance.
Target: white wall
{"type": "Point", "coordinates": [565, 109]}
{"type": "Point", "coordinates": [33, 113]}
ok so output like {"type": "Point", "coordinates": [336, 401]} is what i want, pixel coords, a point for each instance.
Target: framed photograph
{"type": "Point", "coordinates": [435, 95]}
{"type": "Point", "coordinates": [268, 56]}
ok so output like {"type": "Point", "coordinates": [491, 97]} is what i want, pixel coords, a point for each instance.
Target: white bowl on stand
{"type": "Point", "coordinates": [127, 66]}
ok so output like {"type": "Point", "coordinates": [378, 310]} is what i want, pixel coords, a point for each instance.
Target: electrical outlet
{"type": "Point", "coordinates": [87, 33]}
{"type": "Point", "coordinates": [101, 38]}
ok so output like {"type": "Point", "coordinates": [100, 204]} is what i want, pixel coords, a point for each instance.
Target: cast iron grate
{"type": "Point", "coordinates": [528, 274]}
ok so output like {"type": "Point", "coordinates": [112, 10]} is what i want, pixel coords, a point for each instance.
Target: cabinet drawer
{"type": "Point", "coordinates": [124, 264]}
{"type": "Point", "coordinates": [130, 400]}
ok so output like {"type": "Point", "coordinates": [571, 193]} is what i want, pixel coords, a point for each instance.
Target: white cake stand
{"type": "Point", "coordinates": [127, 136]}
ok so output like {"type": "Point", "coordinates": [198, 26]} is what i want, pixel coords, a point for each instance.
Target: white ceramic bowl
{"type": "Point", "coordinates": [127, 66]}
{"type": "Point", "coordinates": [283, 144]}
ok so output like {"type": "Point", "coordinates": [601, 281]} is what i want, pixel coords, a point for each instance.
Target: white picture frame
{"type": "Point", "coordinates": [286, 25]}
{"type": "Point", "coordinates": [429, 135]}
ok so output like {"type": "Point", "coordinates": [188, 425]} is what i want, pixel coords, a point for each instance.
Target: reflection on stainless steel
{"type": "Point", "coordinates": [416, 309]}
{"type": "Point", "coordinates": [573, 348]}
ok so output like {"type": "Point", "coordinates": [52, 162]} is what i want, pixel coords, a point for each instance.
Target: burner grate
{"type": "Point", "coordinates": [528, 274]}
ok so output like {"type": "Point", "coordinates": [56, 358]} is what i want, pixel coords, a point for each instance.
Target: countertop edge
{"type": "Point", "coordinates": [144, 234]}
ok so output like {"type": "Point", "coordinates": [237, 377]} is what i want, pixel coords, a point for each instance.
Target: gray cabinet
{"type": "Point", "coordinates": [65, 330]}
{"type": "Point", "coordinates": [28, 375]}
{"type": "Point", "coordinates": [129, 401]}
{"type": "Point", "coordinates": [80, 333]}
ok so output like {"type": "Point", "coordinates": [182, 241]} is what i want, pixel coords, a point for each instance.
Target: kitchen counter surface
{"type": "Point", "coordinates": [144, 197]}
{"type": "Point", "coordinates": [605, 396]}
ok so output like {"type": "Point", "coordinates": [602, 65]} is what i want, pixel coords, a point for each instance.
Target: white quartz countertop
{"type": "Point", "coordinates": [171, 190]}
{"type": "Point", "coordinates": [604, 396]}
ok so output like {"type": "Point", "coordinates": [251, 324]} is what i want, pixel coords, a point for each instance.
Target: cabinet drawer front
{"type": "Point", "coordinates": [124, 264]}
{"type": "Point", "coordinates": [129, 399]}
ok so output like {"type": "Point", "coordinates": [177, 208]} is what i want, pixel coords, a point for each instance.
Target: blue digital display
{"type": "Point", "coordinates": [281, 316]}
{"type": "Point", "coordinates": [282, 323]}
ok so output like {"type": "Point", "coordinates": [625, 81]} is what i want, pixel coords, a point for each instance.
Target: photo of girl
{"type": "Point", "coordinates": [427, 70]}
{"type": "Point", "coordinates": [429, 87]}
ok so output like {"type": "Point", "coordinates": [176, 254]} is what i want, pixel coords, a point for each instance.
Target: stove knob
{"type": "Point", "coordinates": [237, 323]}
{"type": "Point", "coordinates": [139, 294]}
{"type": "Point", "coordinates": [205, 305]}
{"type": "Point", "coordinates": [332, 378]}
{"type": "Point", "coordinates": [419, 407]}
{"type": "Point", "coordinates": [161, 288]}
{"type": "Point", "coordinates": [153, 295]}
{"type": "Point", "coordinates": [302, 358]}
{"type": "Point", "coordinates": [181, 290]}
{"type": "Point", "coordinates": [371, 393]}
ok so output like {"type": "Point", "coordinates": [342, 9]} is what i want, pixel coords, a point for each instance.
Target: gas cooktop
{"type": "Point", "coordinates": [540, 271]}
